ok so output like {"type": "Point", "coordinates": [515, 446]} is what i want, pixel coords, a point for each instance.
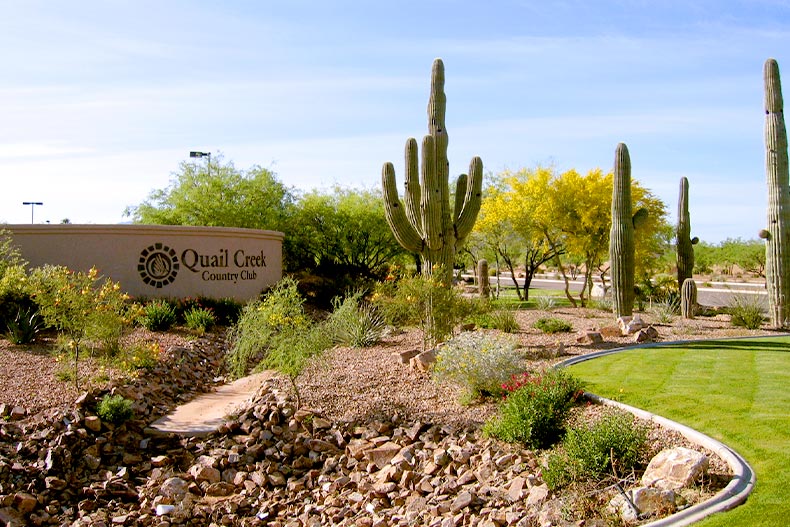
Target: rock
{"type": "Point", "coordinates": [221, 488]}
{"type": "Point", "coordinates": [382, 455]}
{"type": "Point", "coordinates": [204, 473]}
{"type": "Point", "coordinates": [648, 502]}
{"type": "Point", "coordinates": [24, 502]}
{"type": "Point", "coordinates": [516, 489]}
{"type": "Point", "coordinates": [590, 337]}
{"type": "Point", "coordinates": [537, 494]}
{"type": "Point", "coordinates": [424, 361]}
{"type": "Point", "coordinates": [406, 356]}
{"type": "Point", "coordinates": [54, 483]}
{"type": "Point", "coordinates": [93, 423]}
{"type": "Point", "coordinates": [174, 488]}
{"type": "Point", "coordinates": [17, 413]}
{"type": "Point", "coordinates": [630, 325]}
{"type": "Point", "coordinates": [611, 331]}
{"type": "Point", "coordinates": [462, 501]}
{"type": "Point", "coordinates": [675, 468]}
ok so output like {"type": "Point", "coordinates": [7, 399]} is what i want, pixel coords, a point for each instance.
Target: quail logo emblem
{"type": "Point", "coordinates": [158, 265]}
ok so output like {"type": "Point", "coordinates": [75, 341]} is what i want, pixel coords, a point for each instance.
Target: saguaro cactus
{"type": "Point", "coordinates": [684, 243]}
{"type": "Point", "coordinates": [688, 298]}
{"type": "Point", "coordinates": [777, 234]}
{"type": "Point", "coordinates": [423, 223]}
{"type": "Point", "coordinates": [621, 236]}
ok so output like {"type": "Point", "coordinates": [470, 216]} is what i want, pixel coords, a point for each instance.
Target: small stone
{"type": "Point", "coordinates": [424, 361]}
{"type": "Point", "coordinates": [17, 413]}
{"type": "Point", "coordinates": [204, 473]}
{"type": "Point", "coordinates": [463, 500]}
{"type": "Point", "coordinates": [93, 423]}
{"type": "Point", "coordinates": [590, 337]}
{"type": "Point", "coordinates": [382, 455]}
{"type": "Point", "coordinates": [24, 502]}
{"type": "Point", "coordinates": [406, 356]}
{"type": "Point", "coordinates": [675, 468]}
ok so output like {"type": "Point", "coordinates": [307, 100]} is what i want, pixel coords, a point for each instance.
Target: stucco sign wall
{"type": "Point", "coordinates": [161, 261]}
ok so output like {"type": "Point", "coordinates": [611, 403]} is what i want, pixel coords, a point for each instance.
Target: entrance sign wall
{"type": "Point", "coordinates": [161, 260]}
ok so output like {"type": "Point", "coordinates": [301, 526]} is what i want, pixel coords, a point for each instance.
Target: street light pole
{"type": "Point", "coordinates": [32, 207]}
{"type": "Point", "coordinates": [203, 154]}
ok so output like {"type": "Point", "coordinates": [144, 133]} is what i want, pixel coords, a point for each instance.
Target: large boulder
{"type": "Point", "coordinates": [675, 468]}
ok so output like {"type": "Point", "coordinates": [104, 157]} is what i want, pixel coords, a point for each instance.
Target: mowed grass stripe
{"type": "Point", "coordinates": [737, 391]}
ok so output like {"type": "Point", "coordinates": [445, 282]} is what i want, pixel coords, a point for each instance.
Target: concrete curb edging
{"type": "Point", "coordinates": [743, 481]}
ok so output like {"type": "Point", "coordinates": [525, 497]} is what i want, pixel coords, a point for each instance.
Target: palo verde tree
{"type": "Point", "coordinates": [511, 223]}
{"type": "Point", "coordinates": [423, 222]}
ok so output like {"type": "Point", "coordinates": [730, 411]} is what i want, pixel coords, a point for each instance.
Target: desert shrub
{"type": "Point", "coordinates": [138, 356]}
{"type": "Point", "coordinates": [746, 311]}
{"type": "Point", "coordinates": [545, 303]}
{"type": "Point", "coordinates": [603, 304]}
{"type": "Point", "coordinates": [588, 452]}
{"type": "Point", "coordinates": [226, 311]}
{"type": "Point", "coordinates": [502, 319]}
{"type": "Point", "coordinates": [115, 408]}
{"type": "Point", "coordinates": [424, 303]}
{"type": "Point", "coordinates": [354, 322]}
{"type": "Point", "coordinates": [661, 288]}
{"type": "Point", "coordinates": [24, 327]}
{"type": "Point", "coordinates": [82, 307]}
{"type": "Point", "coordinates": [199, 319]}
{"type": "Point", "coordinates": [552, 325]}
{"type": "Point", "coordinates": [158, 315]}
{"type": "Point", "coordinates": [263, 323]}
{"type": "Point", "coordinates": [665, 311]}
{"type": "Point", "coordinates": [479, 362]}
{"type": "Point", "coordinates": [535, 409]}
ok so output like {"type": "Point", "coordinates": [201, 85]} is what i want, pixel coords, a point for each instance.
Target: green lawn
{"type": "Point", "coordinates": [736, 391]}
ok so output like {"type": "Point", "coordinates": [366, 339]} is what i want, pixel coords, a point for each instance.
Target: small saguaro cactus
{"type": "Point", "coordinates": [483, 284]}
{"type": "Point", "coordinates": [423, 223]}
{"type": "Point", "coordinates": [688, 298]}
{"type": "Point", "coordinates": [777, 234]}
{"type": "Point", "coordinates": [684, 243]}
{"type": "Point", "coordinates": [621, 236]}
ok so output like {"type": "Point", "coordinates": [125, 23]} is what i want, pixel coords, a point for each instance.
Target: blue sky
{"type": "Point", "coordinates": [101, 101]}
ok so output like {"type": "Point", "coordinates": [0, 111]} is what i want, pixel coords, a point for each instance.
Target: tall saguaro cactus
{"type": "Point", "coordinates": [684, 243]}
{"type": "Point", "coordinates": [777, 234]}
{"type": "Point", "coordinates": [423, 222]}
{"type": "Point", "coordinates": [621, 236]}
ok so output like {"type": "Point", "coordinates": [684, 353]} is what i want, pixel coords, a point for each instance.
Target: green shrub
{"type": "Point", "coordinates": [354, 322]}
{"type": "Point", "coordinates": [226, 311]}
{"type": "Point", "coordinates": [479, 362]}
{"type": "Point", "coordinates": [115, 409]}
{"type": "Point", "coordinates": [588, 452]}
{"type": "Point", "coordinates": [24, 327]}
{"type": "Point", "coordinates": [158, 315]}
{"type": "Point", "coordinates": [199, 319]}
{"type": "Point", "coordinates": [424, 303]}
{"type": "Point", "coordinates": [535, 411]}
{"type": "Point", "coordinates": [82, 307]}
{"type": "Point", "coordinates": [746, 311]}
{"type": "Point", "coordinates": [661, 288]}
{"type": "Point", "coordinates": [138, 356]}
{"type": "Point", "coordinates": [665, 311]}
{"type": "Point", "coordinates": [552, 325]}
{"type": "Point", "coordinates": [603, 304]}
{"type": "Point", "coordinates": [502, 319]}
{"type": "Point", "coordinates": [545, 303]}
{"type": "Point", "coordinates": [263, 323]}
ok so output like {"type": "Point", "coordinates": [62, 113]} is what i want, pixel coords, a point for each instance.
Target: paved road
{"type": "Point", "coordinates": [715, 294]}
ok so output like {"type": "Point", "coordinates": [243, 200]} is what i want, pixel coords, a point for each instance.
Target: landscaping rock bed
{"type": "Point", "coordinates": [382, 445]}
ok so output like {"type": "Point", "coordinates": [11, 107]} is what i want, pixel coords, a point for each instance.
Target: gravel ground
{"type": "Point", "coordinates": [349, 384]}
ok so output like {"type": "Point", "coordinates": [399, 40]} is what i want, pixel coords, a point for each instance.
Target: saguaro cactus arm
{"type": "Point", "coordinates": [395, 213]}
{"type": "Point", "coordinates": [468, 196]}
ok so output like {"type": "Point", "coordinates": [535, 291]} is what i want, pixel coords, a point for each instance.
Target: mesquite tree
{"type": "Point", "coordinates": [423, 222]}
{"type": "Point", "coordinates": [684, 243]}
{"type": "Point", "coordinates": [777, 234]}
